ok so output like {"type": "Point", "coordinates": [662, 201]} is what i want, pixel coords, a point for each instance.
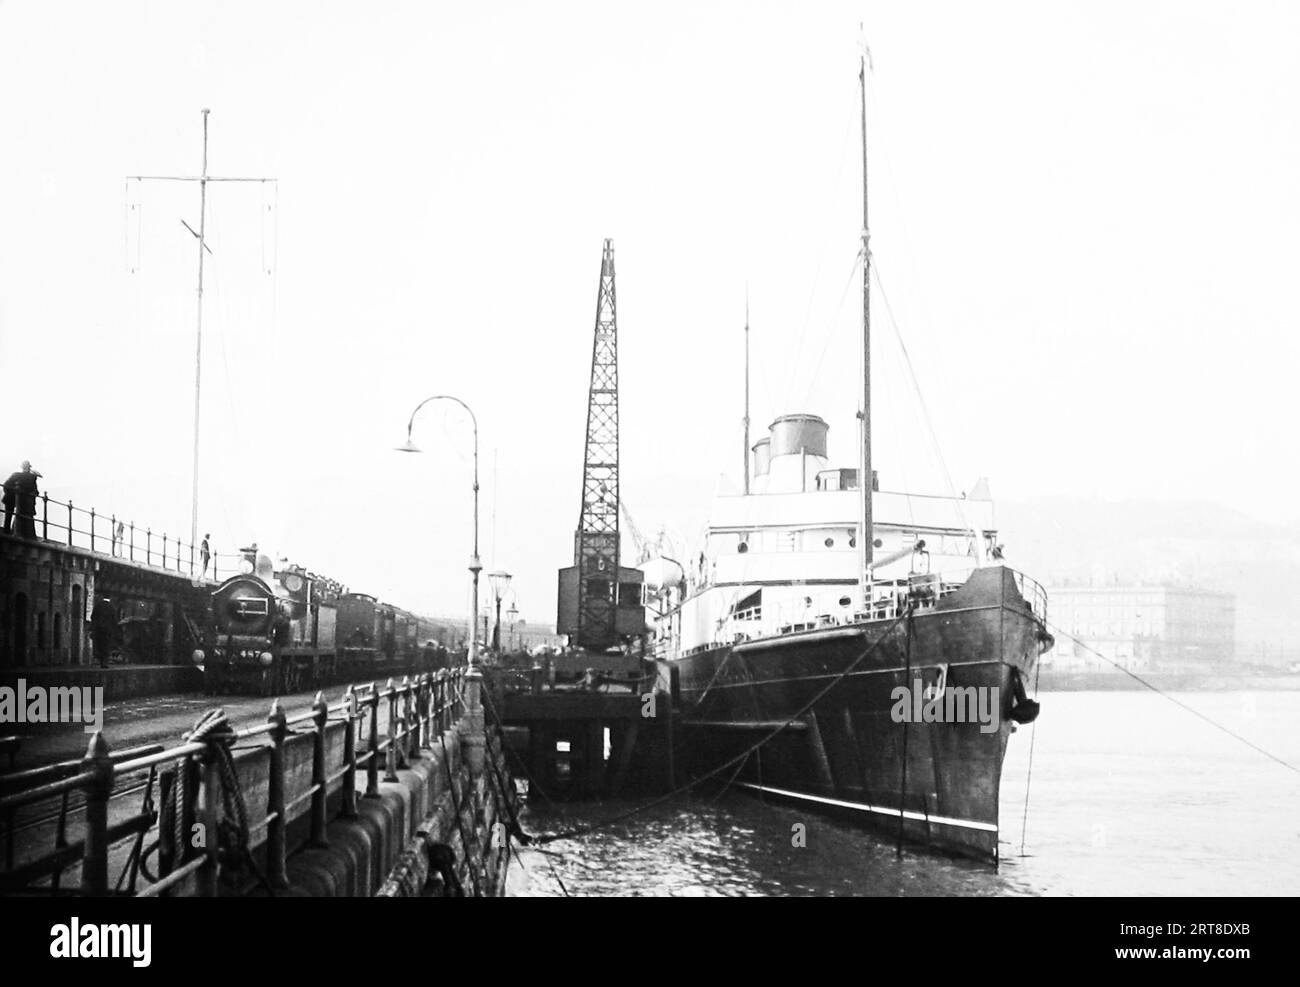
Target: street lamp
{"type": "Point", "coordinates": [499, 580]}
{"type": "Point", "coordinates": [475, 567]}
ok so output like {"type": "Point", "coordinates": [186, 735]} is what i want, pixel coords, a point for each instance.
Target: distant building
{"type": "Point", "coordinates": [1157, 627]}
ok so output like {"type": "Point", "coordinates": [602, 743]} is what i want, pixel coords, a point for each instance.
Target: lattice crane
{"type": "Point", "coordinates": [599, 601]}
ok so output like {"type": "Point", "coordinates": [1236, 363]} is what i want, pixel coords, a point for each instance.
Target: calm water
{"type": "Point", "coordinates": [1130, 795]}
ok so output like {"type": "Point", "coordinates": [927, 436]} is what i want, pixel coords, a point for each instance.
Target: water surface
{"type": "Point", "coordinates": [1129, 795]}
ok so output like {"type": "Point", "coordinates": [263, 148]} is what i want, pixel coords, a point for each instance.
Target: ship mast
{"type": "Point", "coordinates": [864, 478]}
{"type": "Point", "coordinates": [745, 457]}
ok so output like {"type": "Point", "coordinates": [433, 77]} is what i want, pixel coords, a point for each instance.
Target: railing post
{"type": "Point", "coordinates": [178, 553]}
{"type": "Point", "coordinates": [45, 516]}
{"type": "Point", "coordinates": [407, 688]}
{"type": "Point", "coordinates": [148, 546]}
{"type": "Point", "coordinates": [94, 866]}
{"type": "Point", "coordinates": [189, 795]}
{"type": "Point", "coordinates": [439, 696]}
{"type": "Point", "coordinates": [422, 715]}
{"type": "Point", "coordinates": [276, 874]}
{"type": "Point", "coordinates": [132, 543]}
{"type": "Point", "coordinates": [390, 762]}
{"type": "Point", "coordinates": [69, 522]}
{"type": "Point", "coordinates": [434, 714]}
{"type": "Point", "coordinates": [318, 772]}
{"type": "Point", "coordinates": [92, 529]}
{"type": "Point", "coordinates": [168, 790]}
{"type": "Point", "coordinates": [372, 764]}
{"type": "Point", "coordinates": [164, 550]}
{"type": "Point", "coordinates": [208, 876]}
{"type": "Point", "coordinates": [112, 532]}
{"type": "Point", "coordinates": [472, 726]}
{"type": "Point", "coordinates": [191, 554]}
{"type": "Point", "coordinates": [449, 699]}
{"type": "Point", "coordinates": [419, 707]}
{"type": "Point", "coordinates": [348, 809]}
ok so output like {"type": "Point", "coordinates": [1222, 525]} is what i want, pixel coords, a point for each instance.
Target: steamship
{"type": "Point", "coordinates": [814, 600]}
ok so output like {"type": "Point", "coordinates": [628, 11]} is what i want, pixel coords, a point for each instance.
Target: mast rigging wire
{"type": "Point", "coordinates": [1177, 702]}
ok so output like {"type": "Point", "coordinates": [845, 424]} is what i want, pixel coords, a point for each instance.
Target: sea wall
{"type": "Point", "coordinates": [437, 828]}
{"type": "Point", "coordinates": [396, 790]}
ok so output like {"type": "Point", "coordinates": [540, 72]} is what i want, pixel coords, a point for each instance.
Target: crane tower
{"type": "Point", "coordinates": [599, 600]}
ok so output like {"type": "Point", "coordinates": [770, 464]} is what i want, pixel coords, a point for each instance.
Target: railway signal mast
{"type": "Point", "coordinates": [201, 236]}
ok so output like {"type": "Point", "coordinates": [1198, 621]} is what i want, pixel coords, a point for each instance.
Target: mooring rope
{"type": "Point", "coordinates": [636, 810]}
{"type": "Point", "coordinates": [1029, 774]}
{"type": "Point", "coordinates": [460, 824]}
{"type": "Point", "coordinates": [730, 781]}
{"type": "Point", "coordinates": [135, 861]}
{"type": "Point", "coordinates": [214, 730]}
{"type": "Point", "coordinates": [1160, 692]}
{"type": "Point", "coordinates": [515, 829]}
{"type": "Point", "coordinates": [532, 783]}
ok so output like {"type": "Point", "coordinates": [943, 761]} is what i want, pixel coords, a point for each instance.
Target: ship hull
{"type": "Point", "coordinates": [854, 744]}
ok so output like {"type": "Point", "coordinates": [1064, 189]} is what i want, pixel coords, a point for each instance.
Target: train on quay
{"type": "Point", "coordinates": [272, 631]}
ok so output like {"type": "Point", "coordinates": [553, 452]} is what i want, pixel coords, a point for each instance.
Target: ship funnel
{"type": "Point", "coordinates": [762, 456]}
{"type": "Point", "coordinates": [796, 434]}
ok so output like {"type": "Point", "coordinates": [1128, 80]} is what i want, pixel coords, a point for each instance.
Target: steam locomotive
{"type": "Point", "coordinates": [269, 633]}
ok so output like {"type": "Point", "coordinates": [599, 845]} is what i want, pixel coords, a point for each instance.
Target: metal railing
{"type": "Point", "coordinates": [106, 534]}
{"type": "Point", "coordinates": [279, 783]}
{"type": "Point", "coordinates": [1033, 594]}
{"type": "Point", "coordinates": [536, 681]}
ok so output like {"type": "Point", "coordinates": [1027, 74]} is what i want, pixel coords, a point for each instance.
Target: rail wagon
{"type": "Point", "coordinates": [310, 654]}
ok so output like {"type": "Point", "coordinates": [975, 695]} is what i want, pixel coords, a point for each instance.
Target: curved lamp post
{"type": "Point", "coordinates": [499, 580]}
{"type": "Point", "coordinates": [475, 567]}
{"type": "Point", "coordinates": [512, 615]}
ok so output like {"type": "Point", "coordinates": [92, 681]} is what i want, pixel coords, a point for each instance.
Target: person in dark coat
{"type": "Point", "coordinates": [103, 627]}
{"type": "Point", "coordinates": [10, 499]}
{"type": "Point", "coordinates": [20, 496]}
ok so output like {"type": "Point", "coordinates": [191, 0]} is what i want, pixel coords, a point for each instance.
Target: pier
{"type": "Point", "coordinates": [90, 590]}
{"type": "Point", "coordinates": [394, 789]}
{"type": "Point", "coordinates": [578, 742]}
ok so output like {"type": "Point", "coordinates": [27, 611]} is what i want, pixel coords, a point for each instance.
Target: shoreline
{"type": "Point", "coordinates": [1052, 681]}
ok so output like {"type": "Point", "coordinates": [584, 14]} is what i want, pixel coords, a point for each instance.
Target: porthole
{"type": "Point", "coordinates": [878, 543]}
{"type": "Point", "coordinates": [846, 601]}
{"type": "Point", "coordinates": [853, 543]}
{"type": "Point", "coordinates": [743, 547]}
{"type": "Point", "coordinates": [830, 542]}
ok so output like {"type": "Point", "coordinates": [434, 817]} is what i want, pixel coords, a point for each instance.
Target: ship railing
{"type": "Point", "coordinates": [923, 592]}
{"type": "Point", "coordinates": [1032, 592]}
{"type": "Point", "coordinates": [63, 523]}
{"type": "Point", "coordinates": [307, 767]}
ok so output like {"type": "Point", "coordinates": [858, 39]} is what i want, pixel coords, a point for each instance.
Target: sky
{"type": "Point", "coordinates": [1082, 219]}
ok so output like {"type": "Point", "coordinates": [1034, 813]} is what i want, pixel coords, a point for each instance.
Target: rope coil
{"type": "Point", "coordinates": [214, 730]}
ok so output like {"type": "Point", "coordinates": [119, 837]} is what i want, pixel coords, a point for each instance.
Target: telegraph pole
{"type": "Point", "coordinates": [201, 236]}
